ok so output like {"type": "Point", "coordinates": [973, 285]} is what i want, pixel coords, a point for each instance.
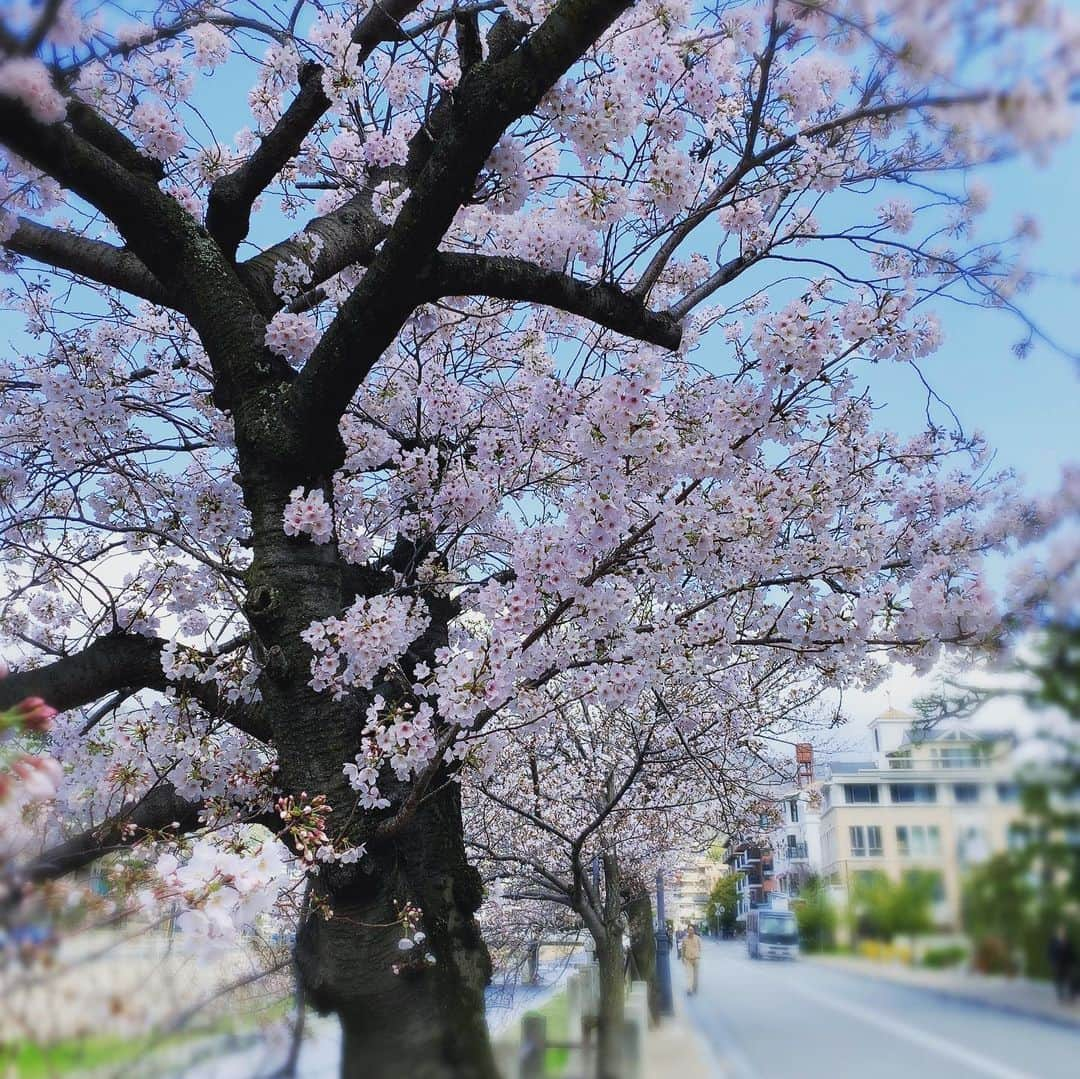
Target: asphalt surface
{"type": "Point", "coordinates": [767, 1019]}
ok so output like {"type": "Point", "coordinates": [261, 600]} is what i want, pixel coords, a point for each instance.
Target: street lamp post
{"type": "Point", "coordinates": [663, 956]}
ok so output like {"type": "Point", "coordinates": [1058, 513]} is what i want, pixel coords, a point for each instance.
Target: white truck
{"type": "Point", "coordinates": [772, 932]}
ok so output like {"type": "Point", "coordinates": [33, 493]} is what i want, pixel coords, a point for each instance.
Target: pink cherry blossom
{"type": "Point", "coordinates": [27, 80]}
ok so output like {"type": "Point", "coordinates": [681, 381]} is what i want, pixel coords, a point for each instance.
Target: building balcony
{"type": "Point", "coordinates": [795, 852]}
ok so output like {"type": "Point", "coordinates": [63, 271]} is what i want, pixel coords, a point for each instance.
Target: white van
{"type": "Point", "coordinates": [771, 934]}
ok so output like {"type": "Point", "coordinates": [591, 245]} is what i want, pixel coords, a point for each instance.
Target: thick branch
{"type": "Point", "coordinates": [78, 165]}
{"type": "Point", "coordinates": [92, 259]}
{"type": "Point", "coordinates": [349, 235]}
{"type": "Point", "coordinates": [107, 665]}
{"type": "Point", "coordinates": [172, 245]}
{"type": "Point", "coordinates": [159, 809]}
{"type": "Point", "coordinates": [228, 210]}
{"type": "Point", "coordinates": [516, 279]}
{"type": "Point", "coordinates": [490, 97]}
{"type": "Point", "coordinates": [97, 131]}
{"type": "Point", "coordinates": [110, 664]}
{"type": "Point", "coordinates": [228, 214]}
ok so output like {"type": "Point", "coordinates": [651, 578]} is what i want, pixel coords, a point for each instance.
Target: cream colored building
{"type": "Point", "coordinates": [938, 800]}
{"type": "Point", "coordinates": [688, 888]}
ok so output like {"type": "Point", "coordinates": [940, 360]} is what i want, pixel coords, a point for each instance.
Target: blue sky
{"type": "Point", "coordinates": [1028, 408]}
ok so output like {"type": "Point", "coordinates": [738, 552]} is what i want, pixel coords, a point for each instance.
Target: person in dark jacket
{"type": "Point", "coordinates": [1062, 957]}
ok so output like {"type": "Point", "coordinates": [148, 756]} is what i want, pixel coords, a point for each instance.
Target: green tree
{"type": "Point", "coordinates": [724, 895]}
{"type": "Point", "coordinates": [884, 909]}
{"type": "Point", "coordinates": [816, 916]}
{"type": "Point", "coordinates": [1013, 902]}
{"type": "Point", "coordinates": [1001, 914]}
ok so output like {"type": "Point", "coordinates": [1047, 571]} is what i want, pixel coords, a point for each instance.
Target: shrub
{"type": "Point", "coordinates": [816, 916]}
{"type": "Point", "coordinates": [992, 956]}
{"type": "Point", "coordinates": [950, 955]}
{"type": "Point", "coordinates": [883, 951]}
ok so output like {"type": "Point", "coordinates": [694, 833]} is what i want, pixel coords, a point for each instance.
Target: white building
{"type": "Point", "coordinates": [796, 841]}
{"type": "Point", "coordinates": [935, 800]}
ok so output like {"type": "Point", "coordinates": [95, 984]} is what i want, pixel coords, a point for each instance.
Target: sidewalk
{"type": "Point", "coordinates": [1020, 996]}
{"type": "Point", "coordinates": [676, 1049]}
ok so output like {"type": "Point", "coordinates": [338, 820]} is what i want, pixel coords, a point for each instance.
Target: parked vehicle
{"type": "Point", "coordinates": [771, 934]}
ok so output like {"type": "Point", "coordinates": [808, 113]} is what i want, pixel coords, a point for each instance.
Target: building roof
{"type": "Point", "coordinates": [893, 714]}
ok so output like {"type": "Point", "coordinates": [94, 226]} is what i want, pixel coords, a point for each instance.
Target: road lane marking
{"type": "Point", "coordinates": [976, 1061]}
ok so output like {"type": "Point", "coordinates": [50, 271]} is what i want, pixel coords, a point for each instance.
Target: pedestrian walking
{"type": "Point", "coordinates": [1062, 957]}
{"type": "Point", "coordinates": [691, 954]}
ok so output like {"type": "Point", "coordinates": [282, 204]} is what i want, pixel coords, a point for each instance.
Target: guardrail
{"type": "Point", "coordinates": [522, 1052]}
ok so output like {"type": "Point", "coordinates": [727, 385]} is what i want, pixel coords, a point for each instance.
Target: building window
{"type": "Point", "coordinates": [958, 757]}
{"type": "Point", "coordinates": [918, 840]}
{"type": "Point", "coordinates": [973, 845]}
{"type": "Point", "coordinates": [857, 835]}
{"type": "Point", "coordinates": [861, 793]}
{"type": "Point", "coordinates": [873, 841]}
{"type": "Point", "coordinates": [877, 740]}
{"type": "Point", "coordinates": [1008, 792]}
{"type": "Point", "coordinates": [966, 793]}
{"type": "Point", "coordinates": [793, 810]}
{"type": "Point", "coordinates": [913, 792]}
{"type": "Point", "coordinates": [901, 760]}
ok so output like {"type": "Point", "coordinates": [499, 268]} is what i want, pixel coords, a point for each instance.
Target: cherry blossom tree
{"type": "Point", "coordinates": [580, 810]}
{"type": "Point", "coordinates": [446, 393]}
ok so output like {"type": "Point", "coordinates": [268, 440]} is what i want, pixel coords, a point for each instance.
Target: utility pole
{"type": "Point", "coordinates": [663, 955]}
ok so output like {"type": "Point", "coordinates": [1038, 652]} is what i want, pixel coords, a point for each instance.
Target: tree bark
{"type": "Point", "coordinates": [639, 912]}
{"type": "Point", "coordinates": [426, 1021]}
{"type": "Point", "coordinates": [609, 957]}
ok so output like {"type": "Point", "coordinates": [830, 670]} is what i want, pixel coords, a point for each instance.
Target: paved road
{"type": "Point", "coordinates": [774, 1020]}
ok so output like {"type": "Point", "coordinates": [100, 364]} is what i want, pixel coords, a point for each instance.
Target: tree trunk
{"type": "Point", "coordinates": [609, 1033]}
{"type": "Point", "coordinates": [639, 912]}
{"type": "Point", "coordinates": [400, 1014]}
{"type": "Point", "coordinates": [426, 1021]}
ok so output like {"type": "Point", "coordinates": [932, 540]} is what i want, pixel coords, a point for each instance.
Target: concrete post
{"type": "Point", "coordinates": [574, 1005]}
{"type": "Point", "coordinates": [533, 1046]}
{"type": "Point", "coordinates": [507, 1054]}
{"type": "Point", "coordinates": [632, 1048]}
